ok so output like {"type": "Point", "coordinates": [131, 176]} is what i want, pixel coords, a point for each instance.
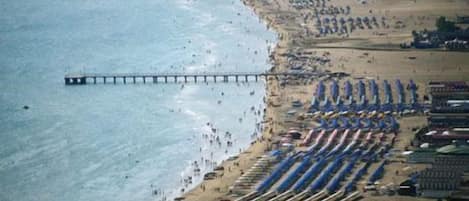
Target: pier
{"type": "Point", "coordinates": [115, 78]}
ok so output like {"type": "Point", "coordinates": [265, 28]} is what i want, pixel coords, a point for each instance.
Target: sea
{"type": "Point", "coordinates": [123, 142]}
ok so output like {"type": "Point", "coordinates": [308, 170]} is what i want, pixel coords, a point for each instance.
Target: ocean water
{"type": "Point", "coordinates": [121, 142]}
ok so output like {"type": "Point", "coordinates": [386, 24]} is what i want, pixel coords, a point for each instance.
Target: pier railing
{"type": "Point", "coordinates": [114, 78]}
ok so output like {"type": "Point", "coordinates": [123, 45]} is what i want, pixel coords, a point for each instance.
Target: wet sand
{"type": "Point", "coordinates": [368, 53]}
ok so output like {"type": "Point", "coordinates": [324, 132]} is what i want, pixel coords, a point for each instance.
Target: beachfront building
{"type": "Point", "coordinates": [449, 104]}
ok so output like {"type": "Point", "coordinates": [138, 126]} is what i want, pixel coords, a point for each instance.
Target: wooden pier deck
{"type": "Point", "coordinates": [114, 78]}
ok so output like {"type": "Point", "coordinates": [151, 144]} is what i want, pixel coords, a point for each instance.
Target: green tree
{"type": "Point", "coordinates": [444, 25]}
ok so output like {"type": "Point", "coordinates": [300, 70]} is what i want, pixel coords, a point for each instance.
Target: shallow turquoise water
{"type": "Point", "coordinates": [120, 142]}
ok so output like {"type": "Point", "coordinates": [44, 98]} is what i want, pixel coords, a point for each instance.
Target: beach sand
{"type": "Point", "coordinates": [369, 53]}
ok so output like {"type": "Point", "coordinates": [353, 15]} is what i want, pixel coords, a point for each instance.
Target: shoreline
{"type": "Point", "coordinates": [244, 160]}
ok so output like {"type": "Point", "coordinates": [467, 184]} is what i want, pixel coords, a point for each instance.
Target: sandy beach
{"type": "Point", "coordinates": [369, 53]}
